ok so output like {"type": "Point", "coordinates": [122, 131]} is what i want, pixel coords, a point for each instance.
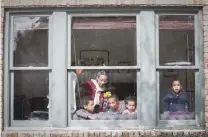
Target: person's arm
{"type": "Point", "coordinates": [166, 103]}
{"type": "Point", "coordinates": [86, 90]}
{"type": "Point", "coordinates": [84, 114]}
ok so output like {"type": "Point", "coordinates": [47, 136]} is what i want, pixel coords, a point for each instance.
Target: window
{"type": "Point", "coordinates": [178, 68]}
{"type": "Point", "coordinates": [90, 68]}
{"type": "Point", "coordinates": [29, 69]}
{"type": "Point", "coordinates": [95, 42]}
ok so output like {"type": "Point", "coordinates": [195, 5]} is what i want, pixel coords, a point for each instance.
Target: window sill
{"type": "Point", "coordinates": [104, 133]}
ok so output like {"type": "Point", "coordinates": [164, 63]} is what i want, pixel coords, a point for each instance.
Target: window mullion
{"type": "Point", "coordinates": [59, 69]}
{"type": "Point", "coordinates": [148, 71]}
{"type": "Point", "coordinates": [11, 44]}
{"type": "Point", "coordinates": [138, 65]}
{"type": "Point", "coordinates": [69, 74]}
{"type": "Point", "coordinates": [199, 76]}
{"type": "Point", "coordinates": [6, 73]}
{"type": "Point", "coordinates": [12, 97]}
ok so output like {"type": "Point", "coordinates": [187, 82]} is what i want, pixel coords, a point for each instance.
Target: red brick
{"type": "Point", "coordinates": [206, 114]}
{"type": "Point", "coordinates": [125, 134]}
{"type": "Point", "coordinates": [206, 56]}
{"type": "Point", "coordinates": [205, 16]}
{"type": "Point", "coordinates": [206, 119]}
{"type": "Point", "coordinates": [206, 99]}
{"type": "Point", "coordinates": [206, 108]}
{"type": "Point", "coordinates": [206, 65]}
{"type": "Point", "coordinates": [205, 23]}
{"type": "Point", "coordinates": [205, 28]}
{"type": "Point", "coordinates": [97, 134]}
{"type": "Point", "coordinates": [102, 134]}
{"type": "Point", "coordinates": [206, 59]}
{"type": "Point", "coordinates": [206, 103]}
{"type": "Point", "coordinates": [91, 134]}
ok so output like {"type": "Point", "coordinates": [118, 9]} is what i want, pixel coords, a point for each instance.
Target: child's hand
{"type": "Point", "coordinates": [126, 112]}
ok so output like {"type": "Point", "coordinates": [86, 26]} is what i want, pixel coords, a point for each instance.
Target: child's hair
{"type": "Point", "coordinates": [115, 97]}
{"type": "Point", "coordinates": [130, 98]}
{"type": "Point", "coordinates": [176, 79]}
{"type": "Point", "coordinates": [85, 101]}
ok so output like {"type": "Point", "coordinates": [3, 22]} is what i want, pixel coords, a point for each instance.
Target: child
{"type": "Point", "coordinates": [176, 100]}
{"type": "Point", "coordinates": [113, 103]}
{"type": "Point", "coordinates": [87, 111]}
{"type": "Point", "coordinates": [130, 103]}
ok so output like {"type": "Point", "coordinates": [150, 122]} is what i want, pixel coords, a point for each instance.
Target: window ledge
{"type": "Point", "coordinates": [103, 133]}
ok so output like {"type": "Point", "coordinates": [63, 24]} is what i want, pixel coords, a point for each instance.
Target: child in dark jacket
{"type": "Point", "coordinates": [176, 100]}
{"type": "Point", "coordinates": [87, 111]}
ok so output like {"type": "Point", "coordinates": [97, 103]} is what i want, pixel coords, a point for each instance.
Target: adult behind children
{"type": "Point", "coordinates": [95, 88]}
{"type": "Point", "coordinates": [176, 100]}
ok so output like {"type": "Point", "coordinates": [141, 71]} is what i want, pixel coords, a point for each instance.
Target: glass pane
{"type": "Point", "coordinates": [104, 95]}
{"type": "Point", "coordinates": [30, 46]}
{"type": "Point", "coordinates": [176, 40]}
{"type": "Point", "coordinates": [177, 94]}
{"type": "Point", "coordinates": [31, 90]}
{"type": "Point", "coordinates": [97, 40]}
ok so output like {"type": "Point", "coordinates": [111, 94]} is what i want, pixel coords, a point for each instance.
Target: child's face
{"type": "Point", "coordinates": [112, 103]}
{"type": "Point", "coordinates": [90, 106]}
{"type": "Point", "coordinates": [176, 86]}
{"type": "Point", "coordinates": [131, 106]}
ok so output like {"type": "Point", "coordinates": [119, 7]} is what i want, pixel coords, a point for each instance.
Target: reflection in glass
{"type": "Point", "coordinates": [30, 46]}
{"type": "Point", "coordinates": [177, 94]}
{"type": "Point", "coordinates": [176, 40]}
{"type": "Point", "coordinates": [104, 95]}
{"type": "Point", "coordinates": [97, 40]}
{"type": "Point", "coordinates": [30, 95]}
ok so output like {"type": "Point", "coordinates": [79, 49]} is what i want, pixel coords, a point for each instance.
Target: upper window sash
{"type": "Point", "coordinates": [124, 65]}
{"type": "Point", "coordinates": [29, 25]}
{"type": "Point", "coordinates": [180, 25]}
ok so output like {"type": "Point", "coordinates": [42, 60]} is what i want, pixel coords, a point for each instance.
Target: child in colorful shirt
{"type": "Point", "coordinates": [113, 103]}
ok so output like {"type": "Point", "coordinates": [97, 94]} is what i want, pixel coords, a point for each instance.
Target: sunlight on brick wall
{"type": "Point", "coordinates": [101, 2]}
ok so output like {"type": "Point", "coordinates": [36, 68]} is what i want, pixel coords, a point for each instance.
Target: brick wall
{"type": "Point", "coordinates": [146, 133]}
{"type": "Point", "coordinates": [16, 3]}
{"type": "Point", "coordinates": [100, 2]}
{"type": "Point", "coordinates": [1, 69]}
{"type": "Point", "coordinates": [205, 24]}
